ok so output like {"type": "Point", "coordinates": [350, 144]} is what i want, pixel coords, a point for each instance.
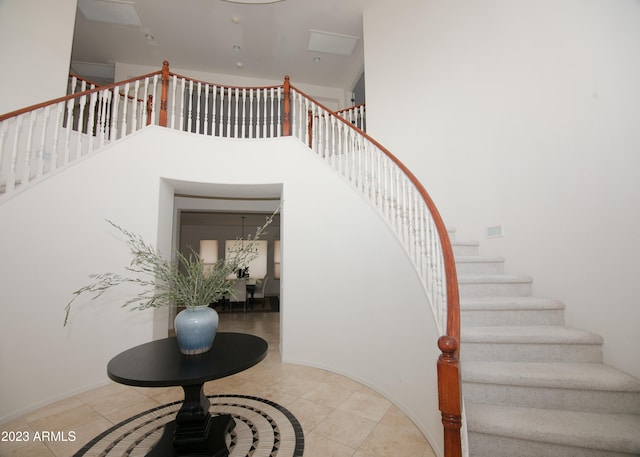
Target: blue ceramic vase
{"type": "Point", "coordinates": [196, 328]}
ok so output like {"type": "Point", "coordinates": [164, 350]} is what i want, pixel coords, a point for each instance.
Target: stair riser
{"type": "Point", "coordinates": [485, 445]}
{"type": "Point", "coordinates": [476, 268]}
{"type": "Point", "coordinates": [528, 352]}
{"type": "Point", "coordinates": [495, 290]}
{"type": "Point", "coordinates": [553, 398]}
{"type": "Point", "coordinates": [512, 317]}
{"type": "Point", "coordinates": [465, 249]}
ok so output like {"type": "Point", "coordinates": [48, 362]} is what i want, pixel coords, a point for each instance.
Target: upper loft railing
{"type": "Point", "coordinates": [40, 139]}
{"type": "Point", "coordinates": [356, 115]}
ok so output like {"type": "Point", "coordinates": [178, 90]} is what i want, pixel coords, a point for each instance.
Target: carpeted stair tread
{"type": "Point", "coordinates": [509, 303]}
{"type": "Point", "coordinates": [499, 278]}
{"type": "Point", "coordinates": [606, 432]}
{"type": "Point", "coordinates": [585, 376]}
{"type": "Point", "coordinates": [538, 334]}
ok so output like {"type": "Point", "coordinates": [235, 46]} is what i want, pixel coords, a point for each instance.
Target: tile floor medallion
{"type": "Point", "coordinates": [263, 429]}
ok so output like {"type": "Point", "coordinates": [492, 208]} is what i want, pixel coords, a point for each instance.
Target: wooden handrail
{"type": "Point", "coordinates": [18, 112]}
{"type": "Point", "coordinates": [351, 108]}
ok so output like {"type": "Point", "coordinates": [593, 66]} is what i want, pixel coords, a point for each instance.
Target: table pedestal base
{"type": "Point", "coordinates": [214, 445]}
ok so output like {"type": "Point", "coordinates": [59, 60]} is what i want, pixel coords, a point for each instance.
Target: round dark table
{"type": "Point", "coordinates": [160, 363]}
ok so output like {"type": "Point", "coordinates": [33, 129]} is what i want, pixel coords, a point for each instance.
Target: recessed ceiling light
{"type": "Point", "coordinates": [316, 59]}
{"type": "Point", "coordinates": [236, 47]}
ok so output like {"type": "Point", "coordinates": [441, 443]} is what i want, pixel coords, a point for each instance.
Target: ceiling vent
{"type": "Point", "coordinates": [110, 11]}
{"type": "Point", "coordinates": [332, 43]}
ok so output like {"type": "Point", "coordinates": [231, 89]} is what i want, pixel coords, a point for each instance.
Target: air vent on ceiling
{"type": "Point", "coordinates": [332, 43]}
{"type": "Point", "coordinates": [110, 11]}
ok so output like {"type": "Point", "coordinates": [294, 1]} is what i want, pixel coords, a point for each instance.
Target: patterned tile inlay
{"type": "Point", "coordinates": [263, 429]}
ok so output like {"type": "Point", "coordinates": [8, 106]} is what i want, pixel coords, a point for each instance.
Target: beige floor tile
{"type": "Point", "coordinates": [66, 420]}
{"type": "Point", "coordinates": [53, 408]}
{"type": "Point", "coordinates": [278, 396]}
{"type": "Point", "coordinates": [384, 441]}
{"type": "Point", "coordinates": [328, 395]}
{"type": "Point", "coordinates": [428, 452]}
{"type": "Point", "coordinates": [319, 446]}
{"type": "Point", "coordinates": [395, 417]}
{"type": "Point", "coordinates": [296, 385]}
{"type": "Point", "coordinates": [309, 413]}
{"type": "Point", "coordinates": [125, 413]}
{"type": "Point", "coordinates": [83, 434]}
{"type": "Point", "coordinates": [346, 428]}
{"type": "Point", "coordinates": [28, 450]}
{"type": "Point", "coordinates": [111, 403]}
{"type": "Point", "coordinates": [365, 405]}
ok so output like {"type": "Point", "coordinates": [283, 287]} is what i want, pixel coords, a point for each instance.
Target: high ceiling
{"type": "Point", "coordinates": [219, 36]}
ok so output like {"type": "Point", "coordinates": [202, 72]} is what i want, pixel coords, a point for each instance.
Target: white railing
{"type": "Point", "coordinates": [224, 111]}
{"type": "Point", "coordinates": [376, 175]}
{"type": "Point", "coordinates": [356, 115]}
{"type": "Point", "coordinates": [40, 139]}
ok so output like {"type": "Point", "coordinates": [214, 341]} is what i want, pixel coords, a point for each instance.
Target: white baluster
{"type": "Point", "coordinates": [56, 136]}
{"type": "Point", "coordinates": [91, 124]}
{"type": "Point", "coordinates": [198, 106]}
{"type": "Point", "coordinates": [189, 108]}
{"type": "Point", "coordinates": [125, 105]}
{"type": "Point", "coordinates": [67, 129]}
{"type": "Point", "coordinates": [230, 96]}
{"type": "Point", "coordinates": [243, 118]}
{"type": "Point", "coordinates": [4, 127]}
{"type": "Point", "coordinates": [206, 109]}
{"type": "Point", "coordinates": [222, 119]}
{"type": "Point", "coordinates": [251, 97]}
{"type": "Point", "coordinates": [279, 110]}
{"type": "Point", "coordinates": [26, 167]}
{"type": "Point", "coordinates": [136, 107]}
{"type": "Point", "coordinates": [115, 102]}
{"type": "Point", "coordinates": [273, 117]}
{"type": "Point", "coordinates": [236, 114]}
{"type": "Point", "coordinates": [80, 126]}
{"type": "Point", "coordinates": [43, 139]}
{"type": "Point", "coordinates": [258, 111]}
{"type": "Point", "coordinates": [214, 110]}
{"type": "Point", "coordinates": [11, 176]}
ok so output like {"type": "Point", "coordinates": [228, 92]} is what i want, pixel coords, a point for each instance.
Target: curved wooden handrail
{"type": "Point", "coordinates": [351, 108]}
{"type": "Point", "coordinates": [11, 114]}
{"type": "Point", "coordinates": [453, 297]}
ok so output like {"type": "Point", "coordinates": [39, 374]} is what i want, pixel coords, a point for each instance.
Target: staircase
{"type": "Point", "coordinates": [532, 386]}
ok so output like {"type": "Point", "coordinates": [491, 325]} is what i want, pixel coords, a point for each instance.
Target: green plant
{"type": "Point", "coordinates": [185, 281]}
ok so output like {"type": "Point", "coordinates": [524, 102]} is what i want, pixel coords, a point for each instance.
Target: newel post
{"type": "Point", "coordinates": [450, 395]}
{"type": "Point", "coordinates": [164, 94]}
{"type": "Point", "coordinates": [286, 122]}
{"type": "Point", "coordinates": [149, 108]}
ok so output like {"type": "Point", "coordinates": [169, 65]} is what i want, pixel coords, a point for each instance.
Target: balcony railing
{"type": "Point", "coordinates": [38, 140]}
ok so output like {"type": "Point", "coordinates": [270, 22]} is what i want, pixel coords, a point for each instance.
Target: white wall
{"type": "Point", "coordinates": [524, 114]}
{"type": "Point", "coordinates": [35, 38]}
{"type": "Point", "coordinates": [349, 299]}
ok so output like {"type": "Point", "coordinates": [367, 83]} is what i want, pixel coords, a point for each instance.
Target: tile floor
{"type": "Point", "coordinates": [340, 417]}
